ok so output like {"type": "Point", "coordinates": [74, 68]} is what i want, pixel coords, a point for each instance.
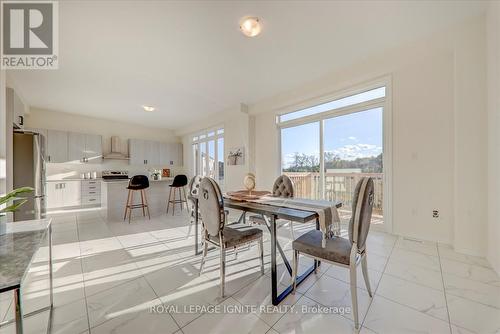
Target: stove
{"type": "Point", "coordinates": [114, 174]}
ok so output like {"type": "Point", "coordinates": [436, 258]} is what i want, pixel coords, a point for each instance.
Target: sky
{"type": "Point", "coordinates": [350, 136]}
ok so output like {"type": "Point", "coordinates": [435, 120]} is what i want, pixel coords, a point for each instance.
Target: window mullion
{"type": "Point", "coordinates": [321, 159]}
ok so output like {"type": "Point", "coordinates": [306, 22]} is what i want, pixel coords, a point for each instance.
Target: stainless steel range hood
{"type": "Point", "coordinates": [116, 150]}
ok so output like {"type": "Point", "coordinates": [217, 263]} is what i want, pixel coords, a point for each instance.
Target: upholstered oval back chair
{"type": "Point", "coordinates": [211, 204]}
{"type": "Point", "coordinates": [347, 253]}
{"type": "Point", "coordinates": [194, 189]}
{"type": "Point", "coordinates": [283, 187]}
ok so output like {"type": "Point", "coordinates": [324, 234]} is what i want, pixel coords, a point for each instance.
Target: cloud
{"type": "Point", "coordinates": [355, 151]}
{"type": "Point", "coordinates": [352, 138]}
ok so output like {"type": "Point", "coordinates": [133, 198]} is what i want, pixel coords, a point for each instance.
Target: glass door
{"type": "Point", "coordinates": [353, 148]}
{"type": "Point", "coordinates": [300, 149]}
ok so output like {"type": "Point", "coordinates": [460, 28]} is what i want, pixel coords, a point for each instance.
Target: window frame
{"type": "Point", "coordinates": [385, 103]}
{"type": "Point", "coordinates": [202, 138]}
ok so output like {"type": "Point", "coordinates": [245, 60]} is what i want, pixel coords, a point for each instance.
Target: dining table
{"type": "Point", "coordinates": [271, 214]}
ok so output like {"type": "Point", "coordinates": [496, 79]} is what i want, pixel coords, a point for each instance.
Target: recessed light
{"type": "Point", "coordinates": [148, 108]}
{"type": "Point", "coordinates": [250, 26]}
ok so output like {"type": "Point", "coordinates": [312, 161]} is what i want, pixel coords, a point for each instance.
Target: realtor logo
{"type": "Point", "coordinates": [29, 35]}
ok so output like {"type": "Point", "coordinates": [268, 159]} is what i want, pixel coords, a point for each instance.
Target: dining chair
{"type": "Point", "coordinates": [347, 253]}
{"type": "Point", "coordinates": [211, 204]}
{"type": "Point", "coordinates": [283, 187]}
{"type": "Point", "coordinates": [194, 189]}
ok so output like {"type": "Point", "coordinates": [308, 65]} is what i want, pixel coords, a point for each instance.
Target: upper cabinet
{"type": "Point", "coordinates": [84, 147]}
{"type": "Point", "coordinates": [57, 146]}
{"type": "Point", "coordinates": [65, 146]}
{"type": "Point", "coordinates": [152, 153]}
{"type": "Point", "coordinates": [15, 107]}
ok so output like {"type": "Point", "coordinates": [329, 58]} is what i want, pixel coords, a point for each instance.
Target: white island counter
{"type": "Point", "coordinates": [114, 197]}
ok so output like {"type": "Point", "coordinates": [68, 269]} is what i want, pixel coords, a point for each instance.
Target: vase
{"type": "Point", "coordinates": [3, 224]}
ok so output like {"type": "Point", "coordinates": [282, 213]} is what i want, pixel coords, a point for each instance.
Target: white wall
{"type": "Point", "coordinates": [470, 123]}
{"type": "Point", "coordinates": [423, 80]}
{"type": "Point", "coordinates": [493, 65]}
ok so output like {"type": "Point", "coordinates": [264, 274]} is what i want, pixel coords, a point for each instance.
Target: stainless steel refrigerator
{"type": "Point", "coordinates": [29, 171]}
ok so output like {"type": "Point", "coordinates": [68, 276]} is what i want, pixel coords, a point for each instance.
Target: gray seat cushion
{"type": "Point", "coordinates": [257, 220]}
{"type": "Point", "coordinates": [237, 236]}
{"type": "Point", "coordinates": [336, 250]}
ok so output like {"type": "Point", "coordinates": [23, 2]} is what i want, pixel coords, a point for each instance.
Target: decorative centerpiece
{"type": "Point", "coordinates": [8, 200]}
{"type": "Point", "coordinates": [250, 193]}
{"type": "Point", "coordinates": [249, 182]}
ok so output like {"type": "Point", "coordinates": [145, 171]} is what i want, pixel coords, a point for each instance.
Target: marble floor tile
{"type": "Point", "coordinates": [473, 316]}
{"type": "Point", "coordinates": [423, 299]}
{"type": "Point", "coordinates": [307, 316]}
{"type": "Point", "coordinates": [416, 259]}
{"type": "Point", "coordinates": [135, 296]}
{"type": "Point", "coordinates": [471, 271]}
{"type": "Point", "coordinates": [388, 317]}
{"type": "Point", "coordinates": [419, 246]}
{"type": "Point", "coordinates": [343, 274]}
{"type": "Point", "coordinates": [416, 274]}
{"type": "Point", "coordinates": [219, 322]}
{"type": "Point", "coordinates": [473, 290]}
{"type": "Point", "coordinates": [258, 295]}
{"type": "Point", "coordinates": [329, 291]}
{"type": "Point", "coordinates": [447, 252]}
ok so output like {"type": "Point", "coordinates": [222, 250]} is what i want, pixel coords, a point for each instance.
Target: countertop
{"type": "Point", "coordinates": [17, 248]}
{"type": "Point", "coordinates": [73, 179]}
{"type": "Point", "coordinates": [164, 179]}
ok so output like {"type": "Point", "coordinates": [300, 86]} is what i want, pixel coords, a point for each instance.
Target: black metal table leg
{"type": "Point", "coordinates": [274, 273]}
{"type": "Point", "coordinates": [277, 299]}
{"type": "Point", "coordinates": [278, 246]}
{"type": "Point", "coordinates": [196, 251]}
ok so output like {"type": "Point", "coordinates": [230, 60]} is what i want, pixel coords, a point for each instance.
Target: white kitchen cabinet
{"type": "Point", "coordinates": [57, 146]}
{"type": "Point", "coordinates": [76, 147]}
{"type": "Point", "coordinates": [137, 151]}
{"type": "Point", "coordinates": [63, 194]}
{"type": "Point", "coordinates": [84, 147]}
{"type": "Point", "coordinates": [93, 148]}
{"type": "Point", "coordinates": [152, 153]}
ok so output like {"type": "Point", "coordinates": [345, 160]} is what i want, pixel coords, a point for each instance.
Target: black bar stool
{"type": "Point", "coordinates": [180, 181]}
{"type": "Point", "coordinates": [137, 183]}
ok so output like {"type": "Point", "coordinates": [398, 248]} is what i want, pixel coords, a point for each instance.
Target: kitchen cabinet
{"type": "Point", "coordinates": [57, 146]}
{"type": "Point", "coordinates": [136, 149]}
{"type": "Point", "coordinates": [170, 154]}
{"type": "Point", "coordinates": [15, 107]}
{"type": "Point", "coordinates": [84, 147]}
{"type": "Point", "coordinates": [144, 152]}
{"type": "Point", "coordinates": [63, 194]}
{"type": "Point", "coordinates": [93, 148]}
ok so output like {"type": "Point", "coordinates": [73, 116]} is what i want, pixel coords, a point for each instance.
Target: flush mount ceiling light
{"type": "Point", "coordinates": [250, 26]}
{"type": "Point", "coordinates": [148, 108]}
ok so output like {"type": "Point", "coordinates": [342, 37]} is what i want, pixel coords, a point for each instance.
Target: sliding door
{"type": "Point", "coordinates": [300, 158]}
{"type": "Point", "coordinates": [353, 148]}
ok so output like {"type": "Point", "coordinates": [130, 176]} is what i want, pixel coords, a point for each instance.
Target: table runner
{"type": "Point", "coordinates": [327, 212]}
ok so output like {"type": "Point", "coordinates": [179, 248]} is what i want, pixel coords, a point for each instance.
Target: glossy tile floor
{"type": "Point", "coordinates": [115, 277]}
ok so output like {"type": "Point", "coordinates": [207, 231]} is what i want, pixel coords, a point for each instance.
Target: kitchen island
{"type": "Point", "coordinates": [114, 197]}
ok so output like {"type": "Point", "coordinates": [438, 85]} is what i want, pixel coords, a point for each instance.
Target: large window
{"type": "Point", "coordinates": [326, 149]}
{"type": "Point", "coordinates": [208, 154]}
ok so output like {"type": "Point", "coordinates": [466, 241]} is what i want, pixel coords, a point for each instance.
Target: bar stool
{"type": "Point", "coordinates": [137, 183]}
{"type": "Point", "coordinates": [180, 181]}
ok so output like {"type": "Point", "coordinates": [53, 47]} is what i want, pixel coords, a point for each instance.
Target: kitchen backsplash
{"type": "Point", "coordinates": [61, 171]}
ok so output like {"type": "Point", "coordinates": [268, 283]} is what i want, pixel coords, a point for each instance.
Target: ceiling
{"type": "Point", "coordinates": [189, 60]}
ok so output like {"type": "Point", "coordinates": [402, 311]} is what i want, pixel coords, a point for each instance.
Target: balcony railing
{"type": "Point", "coordinates": [338, 186]}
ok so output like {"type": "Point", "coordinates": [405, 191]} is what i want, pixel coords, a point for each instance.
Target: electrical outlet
{"type": "Point", "coordinates": [435, 213]}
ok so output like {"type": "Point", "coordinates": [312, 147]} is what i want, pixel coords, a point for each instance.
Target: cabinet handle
{"type": "Point", "coordinates": [48, 157]}
{"type": "Point", "coordinates": [21, 120]}
{"type": "Point", "coordinates": [91, 192]}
